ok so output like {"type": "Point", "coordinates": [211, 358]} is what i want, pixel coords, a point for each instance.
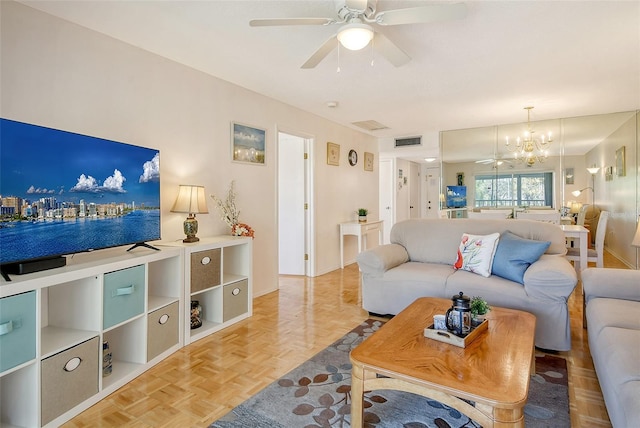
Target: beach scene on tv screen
{"type": "Point", "coordinates": [63, 192]}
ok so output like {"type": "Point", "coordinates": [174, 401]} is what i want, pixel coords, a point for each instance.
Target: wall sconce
{"type": "Point", "coordinates": [191, 200]}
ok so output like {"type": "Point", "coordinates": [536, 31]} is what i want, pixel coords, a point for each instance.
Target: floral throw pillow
{"type": "Point", "coordinates": [475, 253]}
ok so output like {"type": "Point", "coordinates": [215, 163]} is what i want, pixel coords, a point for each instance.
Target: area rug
{"type": "Point", "coordinates": [317, 394]}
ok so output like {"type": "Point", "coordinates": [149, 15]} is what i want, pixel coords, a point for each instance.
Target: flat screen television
{"type": "Point", "coordinates": [456, 196]}
{"type": "Point", "coordinates": [64, 193]}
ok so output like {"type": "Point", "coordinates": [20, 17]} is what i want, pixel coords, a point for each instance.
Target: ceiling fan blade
{"type": "Point", "coordinates": [422, 14]}
{"type": "Point", "coordinates": [290, 21]}
{"type": "Point", "coordinates": [390, 51]}
{"type": "Point", "coordinates": [321, 53]}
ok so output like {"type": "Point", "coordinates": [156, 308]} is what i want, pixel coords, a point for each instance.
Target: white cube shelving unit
{"type": "Point", "coordinates": [62, 313]}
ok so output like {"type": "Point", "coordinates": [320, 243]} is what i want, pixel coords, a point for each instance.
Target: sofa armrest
{"type": "Point", "coordinates": [611, 283]}
{"type": "Point", "coordinates": [551, 277]}
{"type": "Point", "coordinates": [378, 260]}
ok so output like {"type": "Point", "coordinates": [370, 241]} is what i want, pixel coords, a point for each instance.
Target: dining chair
{"type": "Point", "coordinates": [508, 212]}
{"type": "Point", "coordinates": [596, 254]}
{"type": "Point", "coordinates": [549, 217]}
{"type": "Point", "coordinates": [582, 214]}
{"type": "Point", "coordinates": [488, 215]}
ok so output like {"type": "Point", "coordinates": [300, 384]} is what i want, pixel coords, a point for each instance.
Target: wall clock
{"type": "Point", "coordinates": [353, 157]}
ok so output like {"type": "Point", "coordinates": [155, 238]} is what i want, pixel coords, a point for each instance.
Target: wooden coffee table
{"type": "Point", "coordinates": [493, 371]}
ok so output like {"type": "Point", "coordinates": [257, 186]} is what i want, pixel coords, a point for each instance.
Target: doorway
{"type": "Point", "coordinates": [387, 196]}
{"type": "Point", "coordinates": [294, 194]}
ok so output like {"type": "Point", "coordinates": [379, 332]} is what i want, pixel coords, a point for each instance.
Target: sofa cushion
{"type": "Point", "coordinates": [514, 255]}
{"type": "Point", "coordinates": [603, 312]}
{"type": "Point", "coordinates": [436, 240]}
{"type": "Point", "coordinates": [475, 253]}
{"type": "Point", "coordinates": [616, 352]}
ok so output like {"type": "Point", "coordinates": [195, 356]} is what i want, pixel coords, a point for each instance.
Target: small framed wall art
{"type": "Point", "coordinates": [568, 176]}
{"type": "Point", "coordinates": [368, 161]}
{"type": "Point", "coordinates": [460, 178]}
{"type": "Point", "coordinates": [621, 166]}
{"type": "Point", "coordinates": [608, 173]}
{"type": "Point", "coordinates": [248, 144]}
{"type": "Point", "coordinates": [333, 154]}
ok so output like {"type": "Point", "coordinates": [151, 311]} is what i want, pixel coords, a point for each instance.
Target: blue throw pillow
{"type": "Point", "coordinates": [514, 255]}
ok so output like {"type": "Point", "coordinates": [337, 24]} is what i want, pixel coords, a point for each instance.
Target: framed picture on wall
{"type": "Point", "coordinates": [248, 144]}
{"type": "Point", "coordinates": [568, 176]}
{"type": "Point", "coordinates": [333, 154]}
{"type": "Point", "coordinates": [460, 178]}
{"type": "Point", "coordinates": [368, 161]}
{"type": "Point", "coordinates": [621, 167]}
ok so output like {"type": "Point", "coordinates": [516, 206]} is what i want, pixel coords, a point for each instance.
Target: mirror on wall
{"type": "Point", "coordinates": [496, 175]}
{"type": "Point", "coordinates": [499, 174]}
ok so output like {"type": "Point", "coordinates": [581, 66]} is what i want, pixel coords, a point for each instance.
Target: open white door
{"type": "Point", "coordinates": [292, 215]}
{"type": "Point", "coordinates": [387, 196]}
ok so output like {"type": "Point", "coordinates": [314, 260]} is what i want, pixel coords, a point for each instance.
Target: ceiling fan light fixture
{"type": "Point", "coordinates": [355, 36]}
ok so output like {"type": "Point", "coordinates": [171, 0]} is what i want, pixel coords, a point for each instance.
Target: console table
{"type": "Point", "coordinates": [360, 230]}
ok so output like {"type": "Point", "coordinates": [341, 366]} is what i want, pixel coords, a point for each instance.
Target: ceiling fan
{"type": "Point", "coordinates": [496, 161]}
{"type": "Point", "coordinates": [356, 19]}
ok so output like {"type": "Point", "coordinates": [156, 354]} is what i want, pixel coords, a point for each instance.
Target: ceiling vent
{"type": "Point", "coordinates": [370, 125]}
{"type": "Point", "coordinates": [409, 141]}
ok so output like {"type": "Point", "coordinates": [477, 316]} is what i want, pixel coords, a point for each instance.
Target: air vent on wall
{"type": "Point", "coordinates": [409, 141]}
{"type": "Point", "coordinates": [370, 125]}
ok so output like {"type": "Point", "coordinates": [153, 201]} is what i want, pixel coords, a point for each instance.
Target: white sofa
{"type": "Point", "coordinates": [612, 298]}
{"type": "Point", "coordinates": [419, 262]}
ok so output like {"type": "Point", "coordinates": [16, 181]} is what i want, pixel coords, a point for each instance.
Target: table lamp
{"type": "Point", "coordinates": [191, 200]}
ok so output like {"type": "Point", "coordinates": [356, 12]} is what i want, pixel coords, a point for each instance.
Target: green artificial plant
{"type": "Point", "coordinates": [479, 306]}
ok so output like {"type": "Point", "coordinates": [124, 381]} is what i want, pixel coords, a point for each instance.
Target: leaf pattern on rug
{"type": "Point", "coordinates": [328, 408]}
{"type": "Point", "coordinates": [317, 394]}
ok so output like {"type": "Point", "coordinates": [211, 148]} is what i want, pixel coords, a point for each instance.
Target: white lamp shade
{"type": "Point", "coordinates": [575, 207]}
{"type": "Point", "coordinates": [355, 36]}
{"type": "Point", "coordinates": [191, 199]}
{"type": "Point", "coordinates": [576, 193]}
{"type": "Point", "coordinates": [636, 238]}
{"type": "Point", "coordinates": [593, 170]}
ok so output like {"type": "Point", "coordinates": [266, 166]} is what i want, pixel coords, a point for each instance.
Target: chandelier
{"type": "Point", "coordinates": [529, 149]}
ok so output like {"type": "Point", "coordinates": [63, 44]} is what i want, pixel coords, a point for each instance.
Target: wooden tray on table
{"type": "Point", "coordinates": [448, 336]}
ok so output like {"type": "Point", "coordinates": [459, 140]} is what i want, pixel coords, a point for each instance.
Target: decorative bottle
{"type": "Point", "coordinates": [107, 368]}
{"type": "Point", "coordinates": [196, 314]}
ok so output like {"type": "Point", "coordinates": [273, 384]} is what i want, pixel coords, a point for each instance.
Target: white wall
{"type": "Point", "coordinates": [618, 195]}
{"type": "Point", "coordinates": [60, 75]}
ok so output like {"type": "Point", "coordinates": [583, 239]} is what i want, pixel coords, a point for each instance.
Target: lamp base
{"type": "Point", "coordinates": [190, 229]}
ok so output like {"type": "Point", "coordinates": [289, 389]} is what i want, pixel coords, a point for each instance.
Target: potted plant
{"type": "Point", "coordinates": [479, 309]}
{"type": "Point", "coordinates": [362, 215]}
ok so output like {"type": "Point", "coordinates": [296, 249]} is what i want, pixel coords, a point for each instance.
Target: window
{"type": "Point", "coordinates": [531, 189]}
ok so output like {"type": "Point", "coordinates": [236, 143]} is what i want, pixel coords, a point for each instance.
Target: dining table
{"type": "Point", "coordinates": [580, 233]}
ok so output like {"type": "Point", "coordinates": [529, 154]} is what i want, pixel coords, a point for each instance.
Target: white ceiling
{"type": "Point", "coordinates": [566, 58]}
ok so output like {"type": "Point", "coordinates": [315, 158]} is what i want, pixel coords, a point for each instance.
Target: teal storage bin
{"type": "Point", "coordinates": [123, 295]}
{"type": "Point", "coordinates": [17, 330]}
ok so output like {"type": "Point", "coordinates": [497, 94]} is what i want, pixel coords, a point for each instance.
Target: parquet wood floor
{"type": "Point", "coordinates": [203, 381]}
